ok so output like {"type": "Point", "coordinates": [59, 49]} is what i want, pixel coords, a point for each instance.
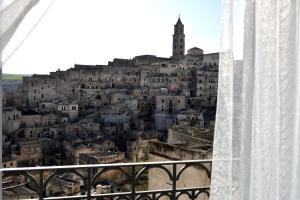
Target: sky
{"type": "Point", "coordinates": [97, 31]}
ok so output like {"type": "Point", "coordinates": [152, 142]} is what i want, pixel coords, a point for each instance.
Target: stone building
{"type": "Point", "coordinates": [158, 179]}
{"type": "Point", "coordinates": [11, 119]}
{"type": "Point", "coordinates": [75, 149]}
{"type": "Point", "coordinates": [178, 41]}
{"type": "Point", "coordinates": [190, 117]}
{"type": "Point", "coordinates": [101, 157]}
{"type": "Point", "coordinates": [90, 102]}
{"type": "Point", "coordinates": [29, 153]}
{"type": "Point", "coordinates": [70, 109]}
{"type": "Point", "coordinates": [169, 103]}
{"type": "Point", "coordinates": [191, 137]}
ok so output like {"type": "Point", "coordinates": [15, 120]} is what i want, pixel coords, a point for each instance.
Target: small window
{"type": "Point", "coordinates": [42, 95]}
{"type": "Point", "coordinates": [11, 163]}
{"type": "Point", "coordinates": [4, 165]}
{"type": "Point", "coordinates": [162, 100]}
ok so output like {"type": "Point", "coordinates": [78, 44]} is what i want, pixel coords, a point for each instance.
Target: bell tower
{"type": "Point", "coordinates": [178, 41]}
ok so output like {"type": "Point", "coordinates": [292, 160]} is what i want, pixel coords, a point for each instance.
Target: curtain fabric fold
{"type": "Point", "coordinates": [257, 139]}
{"type": "Point", "coordinates": [10, 18]}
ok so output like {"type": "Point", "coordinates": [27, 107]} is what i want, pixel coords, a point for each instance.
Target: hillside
{"type": "Point", "coordinates": [13, 77]}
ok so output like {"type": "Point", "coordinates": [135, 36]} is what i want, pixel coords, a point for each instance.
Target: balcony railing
{"type": "Point", "coordinates": [40, 177]}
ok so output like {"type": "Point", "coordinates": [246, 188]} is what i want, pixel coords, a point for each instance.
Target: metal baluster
{"type": "Point", "coordinates": [133, 183]}
{"type": "Point", "coordinates": [89, 180]}
{"type": "Point", "coordinates": [174, 182]}
{"type": "Point", "coordinates": [41, 185]}
{"type": "Point", "coordinates": [193, 195]}
{"type": "Point", "coordinates": [154, 196]}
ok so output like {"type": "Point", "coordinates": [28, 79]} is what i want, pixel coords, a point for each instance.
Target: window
{"type": "Point", "coordinates": [73, 107]}
{"type": "Point", "coordinates": [162, 100]}
{"type": "Point", "coordinates": [4, 165]}
{"type": "Point", "coordinates": [42, 95]}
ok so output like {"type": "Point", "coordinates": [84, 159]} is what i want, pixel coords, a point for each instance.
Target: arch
{"type": "Point", "coordinates": [60, 171]}
{"type": "Point", "coordinates": [184, 193]}
{"type": "Point", "coordinates": [103, 170]}
{"type": "Point", "coordinates": [122, 198]}
{"type": "Point", "coordinates": [26, 174]}
{"type": "Point", "coordinates": [206, 191]}
{"type": "Point", "coordinates": [163, 194]}
{"type": "Point", "coordinates": [151, 167]}
{"type": "Point", "coordinates": [193, 165]}
{"type": "Point", "coordinates": [143, 196]}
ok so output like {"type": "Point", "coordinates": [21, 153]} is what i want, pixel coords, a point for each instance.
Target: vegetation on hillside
{"type": "Point", "coordinates": [12, 77]}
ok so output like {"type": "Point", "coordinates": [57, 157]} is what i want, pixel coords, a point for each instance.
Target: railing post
{"type": "Point", "coordinates": [89, 183]}
{"type": "Point", "coordinates": [193, 195]}
{"type": "Point", "coordinates": [174, 182]}
{"type": "Point", "coordinates": [41, 185]}
{"type": "Point", "coordinates": [133, 183]}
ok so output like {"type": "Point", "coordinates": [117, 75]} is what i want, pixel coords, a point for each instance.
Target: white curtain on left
{"type": "Point", "coordinates": [11, 14]}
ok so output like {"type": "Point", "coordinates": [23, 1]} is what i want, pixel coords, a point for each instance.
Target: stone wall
{"type": "Point", "coordinates": [191, 177]}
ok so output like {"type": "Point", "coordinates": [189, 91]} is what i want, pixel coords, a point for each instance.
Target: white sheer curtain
{"type": "Point", "coordinates": [11, 14]}
{"type": "Point", "coordinates": [258, 102]}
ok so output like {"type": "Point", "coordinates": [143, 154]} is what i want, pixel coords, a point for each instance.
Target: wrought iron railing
{"type": "Point", "coordinates": [40, 177]}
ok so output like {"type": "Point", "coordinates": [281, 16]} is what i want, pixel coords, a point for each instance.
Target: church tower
{"type": "Point", "coordinates": [178, 41]}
